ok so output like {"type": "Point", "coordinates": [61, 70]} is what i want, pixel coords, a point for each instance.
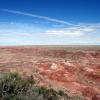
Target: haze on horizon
{"type": "Point", "coordinates": [49, 22]}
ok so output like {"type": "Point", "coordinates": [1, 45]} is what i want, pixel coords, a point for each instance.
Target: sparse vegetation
{"type": "Point", "coordinates": [13, 87]}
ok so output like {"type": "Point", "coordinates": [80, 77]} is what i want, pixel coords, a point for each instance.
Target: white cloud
{"type": "Point", "coordinates": [15, 35]}
{"type": "Point", "coordinates": [37, 16]}
{"type": "Point", "coordinates": [64, 33]}
{"type": "Point", "coordinates": [70, 31]}
{"type": "Point", "coordinates": [18, 30]}
{"type": "Point", "coordinates": [31, 33]}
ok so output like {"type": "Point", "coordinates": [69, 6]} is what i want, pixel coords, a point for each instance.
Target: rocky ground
{"type": "Point", "coordinates": [75, 71]}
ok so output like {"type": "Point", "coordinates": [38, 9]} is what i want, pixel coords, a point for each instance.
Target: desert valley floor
{"type": "Point", "coordinates": [75, 70]}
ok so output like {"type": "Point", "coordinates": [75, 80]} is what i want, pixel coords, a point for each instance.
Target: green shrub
{"type": "Point", "coordinates": [13, 87]}
{"type": "Point", "coordinates": [50, 94]}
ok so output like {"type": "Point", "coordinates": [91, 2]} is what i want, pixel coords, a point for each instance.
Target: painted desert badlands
{"type": "Point", "coordinates": [75, 70]}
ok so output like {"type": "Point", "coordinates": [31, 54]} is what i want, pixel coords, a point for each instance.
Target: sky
{"type": "Point", "coordinates": [49, 22]}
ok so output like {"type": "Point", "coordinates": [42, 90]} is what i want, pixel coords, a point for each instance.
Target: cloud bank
{"type": "Point", "coordinates": [61, 33]}
{"type": "Point", "coordinates": [74, 31]}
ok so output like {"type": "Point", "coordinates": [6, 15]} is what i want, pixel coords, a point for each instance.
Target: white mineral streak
{"type": "Point", "coordinates": [54, 66]}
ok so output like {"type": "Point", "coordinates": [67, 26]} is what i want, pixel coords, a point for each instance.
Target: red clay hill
{"type": "Point", "coordinates": [75, 70]}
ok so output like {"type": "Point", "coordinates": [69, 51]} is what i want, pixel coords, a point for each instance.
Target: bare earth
{"type": "Point", "coordinates": [73, 69]}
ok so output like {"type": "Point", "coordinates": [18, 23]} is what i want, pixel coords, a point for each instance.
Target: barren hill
{"type": "Point", "coordinates": [75, 70]}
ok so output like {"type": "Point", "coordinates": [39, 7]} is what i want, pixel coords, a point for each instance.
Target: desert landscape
{"type": "Point", "coordinates": [72, 69]}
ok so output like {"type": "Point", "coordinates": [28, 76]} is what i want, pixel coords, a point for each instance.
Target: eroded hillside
{"type": "Point", "coordinates": [77, 72]}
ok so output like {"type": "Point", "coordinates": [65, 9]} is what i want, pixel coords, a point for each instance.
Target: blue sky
{"type": "Point", "coordinates": [49, 22]}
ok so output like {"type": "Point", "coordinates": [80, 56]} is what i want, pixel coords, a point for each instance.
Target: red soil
{"type": "Point", "coordinates": [77, 72]}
